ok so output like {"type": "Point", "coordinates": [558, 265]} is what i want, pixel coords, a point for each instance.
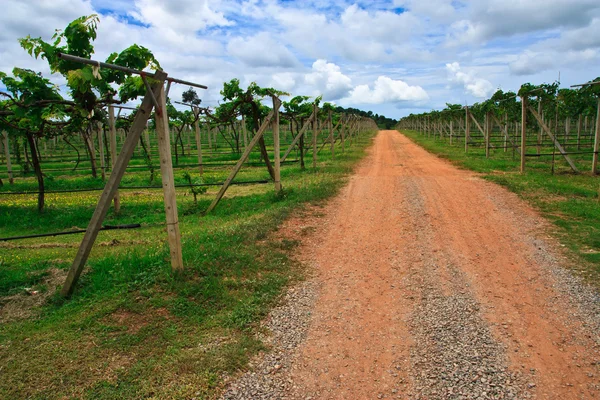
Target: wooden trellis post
{"type": "Point", "coordinates": [467, 129]}
{"type": "Point", "coordinates": [314, 135]}
{"type": "Point", "coordinates": [244, 132]}
{"type": "Point", "coordinates": [596, 141]}
{"type": "Point", "coordinates": [331, 137]}
{"type": "Point", "coordinates": [112, 185]}
{"type": "Point", "coordinates": [113, 152]}
{"type": "Point", "coordinates": [487, 133]}
{"type": "Point", "coordinates": [168, 180]}
{"type": "Point", "coordinates": [276, 147]}
{"type": "Point", "coordinates": [243, 158]}
{"type": "Point", "coordinates": [7, 155]}
{"type": "Point", "coordinates": [198, 140]}
{"type": "Point", "coordinates": [523, 131]}
{"type": "Point", "coordinates": [101, 149]}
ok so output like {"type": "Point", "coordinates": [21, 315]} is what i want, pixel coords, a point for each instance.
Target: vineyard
{"type": "Point", "coordinates": [154, 222]}
{"type": "Point", "coordinates": [551, 160]}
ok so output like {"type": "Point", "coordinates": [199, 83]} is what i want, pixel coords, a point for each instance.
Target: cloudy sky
{"type": "Point", "coordinates": [393, 57]}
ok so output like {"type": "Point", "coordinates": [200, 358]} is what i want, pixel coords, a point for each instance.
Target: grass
{"type": "Point", "coordinates": [571, 202]}
{"type": "Point", "coordinates": [132, 329]}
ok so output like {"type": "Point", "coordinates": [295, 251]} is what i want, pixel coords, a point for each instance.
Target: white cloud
{"type": "Point", "coordinates": [186, 16]}
{"type": "Point", "coordinates": [328, 79]}
{"type": "Point", "coordinates": [261, 51]}
{"type": "Point", "coordinates": [387, 90]}
{"type": "Point", "coordinates": [475, 86]}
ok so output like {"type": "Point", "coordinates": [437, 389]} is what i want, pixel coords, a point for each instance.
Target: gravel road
{"type": "Point", "coordinates": [429, 283]}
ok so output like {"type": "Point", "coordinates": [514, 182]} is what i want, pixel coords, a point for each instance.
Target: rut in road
{"type": "Point", "coordinates": [433, 284]}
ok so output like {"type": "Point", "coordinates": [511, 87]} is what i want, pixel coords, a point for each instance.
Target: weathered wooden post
{"type": "Point", "coordinates": [314, 135]}
{"type": "Point", "coordinates": [487, 132]}
{"type": "Point", "coordinates": [7, 155]}
{"type": "Point", "coordinates": [244, 132]}
{"type": "Point", "coordinates": [198, 140]}
{"type": "Point", "coordinates": [596, 140]}
{"type": "Point", "coordinates": [101, 148]}
{"type": "Point", "coordinates": [113, 152]}
{"type": "Point", "coordinates": [276, 146]}
{"type": "Point", "coordinates": [331, 137]}
{"type": "Point", "coordinates": [168, 181]}
{"type": "Point", "coordinates": [523, 131]}
{"type": "Point", "coordinates": [467, 129]}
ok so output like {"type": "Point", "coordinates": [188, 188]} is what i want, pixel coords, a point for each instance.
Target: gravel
{"type": "Point", "coordinates": [287, 325]}
{"type": "Point", "coordinates": [455, 355]}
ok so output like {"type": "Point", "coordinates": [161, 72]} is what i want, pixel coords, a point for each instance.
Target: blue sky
{"type": "Point", "coordinates": [393, 57]}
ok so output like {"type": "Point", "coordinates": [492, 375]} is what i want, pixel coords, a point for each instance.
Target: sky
{"type": "Point", "coordinates": [393, 57]}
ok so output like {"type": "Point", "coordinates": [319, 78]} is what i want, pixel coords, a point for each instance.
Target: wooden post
{"type": "Point", "coordinates": [168, 181]}
{"type": "Point", "coordinates": [198, 140]}
{"type": "Point", "coordinates": [487, 134]}
{"type": "Point", "coordinates": [111, 186]}
{"type": "Point", "coordinates": [209, 134]}
{"type": "Point", "coordinates": [541, 131]}
{"type": "Point", "coordinates": [343, 131]}
{"type": "Point", "coordinates": [467, 129]}
{"type": "Point", "coordinates": [579, 126]}
{"type": "Point", "coordinates": [276, 147]}
{"type": "Point", "coordinates": [244, 132]}
{"type": "Point", "coordinates": [7, 154]}
{"type": "Point", "coordinates": [241, 161]}
{"type": "Point", "coordinates": [314, 135]}
{"type": "Point", "coordinates": [113, 151]}
{"type": "Point", "coordinates": [523, 131]}
{"type": "Point", "coordinates": [596, 141]}
{"type": "Point", "coordinates": [101, 148]}
{"type": "Point", "coordinates": [505, 132]}
{"type": "Point", "coordinates": [451, 131]}
{"type": "Point", "coordinates": [331, 137]}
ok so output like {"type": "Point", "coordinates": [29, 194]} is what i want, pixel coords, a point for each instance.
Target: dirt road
{"type": "Point", "coordinates": [435, 284]}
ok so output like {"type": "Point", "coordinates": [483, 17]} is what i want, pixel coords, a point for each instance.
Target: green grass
{"type": "Point", "coordinates": [570, 201]}
{"type": "Point", "coordinates": [132, 329]}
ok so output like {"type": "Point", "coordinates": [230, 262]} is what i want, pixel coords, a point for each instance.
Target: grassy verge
{"type": "Point", "coordinates": [132, 329]}
{"type": "Point", "coordinates": [571, 202]}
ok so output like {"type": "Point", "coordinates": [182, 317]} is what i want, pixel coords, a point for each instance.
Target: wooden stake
{"type": "Point", "coordinates": [168, 181]}
{"type": "Point", "coordinates": [111, 186]}
{"type": "Point", "coordinates": [7, 155]}
{"type": "Point", "coordinates": [314, 135]}
{"type": "Point", "coordinates": [553, 138]}
{"type": "Point", "coordinates": [523, 131]}
{"type": "Point", "coordinates": [113, 151]}
{"type": "Point", "coordinates": [467, 129]}
{"type": "Point", "coordinates": [198, 141]}
{"type": "Point", "coordinates": [596, 141]}
{"type": "Point", "coordinates": [101, 148]}
{"type": "Point", "coordinates": [241, 161]}
{"type": "Point", "coordinates": [331, 137]}
{"type": "Point", "coordinates": [244, 132]}
{"type": "Point", "coordinates": [487, 134]}
{"type": "Point", "coordinates": [276, 147]}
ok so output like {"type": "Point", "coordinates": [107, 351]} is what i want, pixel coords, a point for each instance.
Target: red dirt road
{"type": "Point", "coordinates": [435, 283]}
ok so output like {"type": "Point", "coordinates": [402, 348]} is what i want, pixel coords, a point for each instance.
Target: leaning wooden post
{"type": "Point", "coordinates": [276, 147]}
{"type": "Point", "coordinates": [168, 181]}
{"type": "Point", "coordinates": [314, 135]}
{"type": "Point", "coordinates": [523, 131]}
{"type": "Point", "coordinates": [113, 151]}
{"type": "Point", "coordinates": [7, 155]}
{"type": "Point", "coordinates": [112, 185]}
{"type": "Point", "coordinates": [101, 148]}
{"type": "Point", "coordinates": [198, 140]}
{"type": "Point", "coordinates": [596, 141]}
{"type": "Point", "coordinates": [467, 129]}
{"type": "Point", "coordinates": [331, 137]}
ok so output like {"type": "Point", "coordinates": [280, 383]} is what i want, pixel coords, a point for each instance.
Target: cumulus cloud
{"type": "Point", "coordinates": [180, 15]}
{"type": "Point", "coordinates": [261, 50]}
{"type": "Point", "coordinates": [386, 90]}
{"type": "Point", "coordinates": [328, 79]}
{"type": "Point", "coordinates": [475, 86]}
